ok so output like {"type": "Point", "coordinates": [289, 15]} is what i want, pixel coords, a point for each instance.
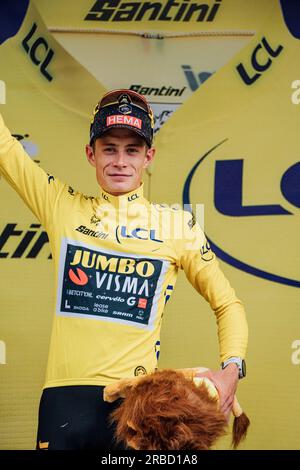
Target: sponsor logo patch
{"type": "Point", "coordinates": [140, 370]}
{"type": "Point", "coordinates": [122, 119]}
{"type": "Point", "coordinates": [114, 286]}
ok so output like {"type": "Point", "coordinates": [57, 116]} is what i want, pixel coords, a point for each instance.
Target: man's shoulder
{"type": "Point", "coordinates": [73, 193]}
{"type": "Point", "coordinates": [177, 211]}
{"type": "Point", "coordinates": [164, 207]}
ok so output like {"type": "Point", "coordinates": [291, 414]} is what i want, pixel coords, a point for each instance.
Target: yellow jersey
{"type": "Point", "coordinates": [116, 261]}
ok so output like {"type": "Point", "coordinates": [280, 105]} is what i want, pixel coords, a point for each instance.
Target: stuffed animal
{"type": "Point", "coordinates": [171, 410]}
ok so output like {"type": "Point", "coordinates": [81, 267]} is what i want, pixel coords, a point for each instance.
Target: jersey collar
{"type": "Point", "coordinates": [126, 198]}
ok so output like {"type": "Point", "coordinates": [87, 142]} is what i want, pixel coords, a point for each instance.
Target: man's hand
{"type": "Point", "coordinates": [226, 382]}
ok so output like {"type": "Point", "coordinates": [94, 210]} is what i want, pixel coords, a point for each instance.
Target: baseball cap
{"type": "Point", "coordinates": [123, 109]}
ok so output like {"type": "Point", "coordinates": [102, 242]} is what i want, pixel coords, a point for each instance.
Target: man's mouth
{"type": "Point", "coordinates": [118, 174]}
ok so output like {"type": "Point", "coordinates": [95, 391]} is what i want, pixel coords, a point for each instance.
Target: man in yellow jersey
{"type": "Point", "coordinates": [116, 260]}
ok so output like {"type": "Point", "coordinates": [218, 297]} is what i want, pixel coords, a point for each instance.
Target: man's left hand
{"type": "Point", "coordinates": [226, 382]}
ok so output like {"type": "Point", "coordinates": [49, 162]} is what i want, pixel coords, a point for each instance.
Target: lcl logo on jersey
{"type": "Point", "coordinates": [231, 182]}
{"type": "Point", "coordinates": [133, 197]}
{"type": "Point", "coordinates": [137, 233]}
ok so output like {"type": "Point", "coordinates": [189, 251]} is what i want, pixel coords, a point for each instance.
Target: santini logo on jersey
{"type": "Point", "coordinates": [121, 119]}
{"type": "Point", "coordinates": [92, 233]}
{"type": "Point", "coordinates": [170, 10]}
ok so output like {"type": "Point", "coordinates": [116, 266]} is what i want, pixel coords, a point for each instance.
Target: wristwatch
{"type": "Point", "coordinates": [241, 364]}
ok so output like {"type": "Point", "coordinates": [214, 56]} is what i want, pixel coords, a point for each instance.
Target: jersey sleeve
{"type": "Point", "coordinates": [203, 271]}
{"type": "Point", "coordinates": [38, 190]}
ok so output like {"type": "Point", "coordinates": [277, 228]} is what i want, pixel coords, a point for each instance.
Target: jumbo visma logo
{"type": "Point", "coordinates": [99, 284]}
{"type": "Point", "coordinates": [112, 273]}
{"type": "Point", "coordinates": [257, 227]}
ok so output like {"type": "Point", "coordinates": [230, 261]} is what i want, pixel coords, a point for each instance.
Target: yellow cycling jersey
{"type": "Point", "coordinates": [116, 260]}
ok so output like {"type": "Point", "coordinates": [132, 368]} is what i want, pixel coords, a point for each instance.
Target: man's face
{"type": "Point", "coordinates": [119, 157]}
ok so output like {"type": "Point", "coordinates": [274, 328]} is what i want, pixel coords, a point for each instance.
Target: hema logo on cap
{"type": "Point", "coordinates": [121, 119]}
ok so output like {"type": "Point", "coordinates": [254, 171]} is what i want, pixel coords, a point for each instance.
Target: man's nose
{"type": "Point", "coordinates": [120, 159]}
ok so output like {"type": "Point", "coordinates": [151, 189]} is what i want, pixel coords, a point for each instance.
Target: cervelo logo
{"type": "Point", "coordinates": [228, 200]}
{"type": "Point", "coordinates": [121, 119]}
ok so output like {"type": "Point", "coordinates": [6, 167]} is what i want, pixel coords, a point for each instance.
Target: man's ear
{"type": "Point", "coordinates": [90, 155]}
{"type": "Point", "coordinates": [149, 156]}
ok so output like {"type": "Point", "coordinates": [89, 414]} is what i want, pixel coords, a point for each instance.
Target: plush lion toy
{"type": "Point", "coordinates": [171, 410]}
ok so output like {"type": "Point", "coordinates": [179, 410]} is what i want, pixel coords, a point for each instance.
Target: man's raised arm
{"type": "Point", "coordinates": [37, 189]}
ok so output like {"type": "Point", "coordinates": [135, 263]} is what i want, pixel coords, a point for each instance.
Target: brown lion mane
{"type": "Point", "coordinates": [166, 411]}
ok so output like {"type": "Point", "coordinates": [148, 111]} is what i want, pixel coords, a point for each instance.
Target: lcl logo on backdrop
{"type": "Point", "coordinates": [228, 192]}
